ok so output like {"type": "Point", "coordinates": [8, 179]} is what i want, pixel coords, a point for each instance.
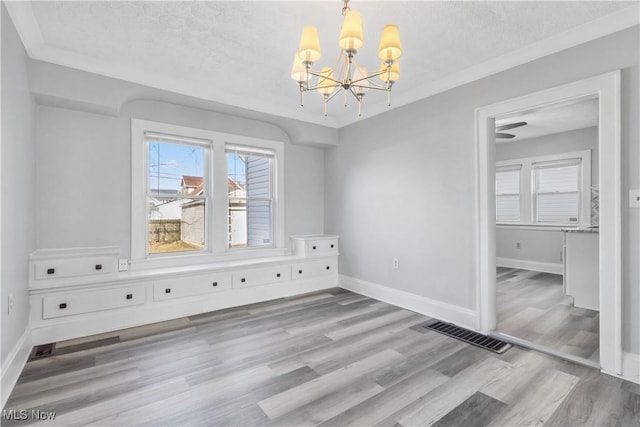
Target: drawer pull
{"type": "Point", "coordinates": [98, 266]}
{"type": "Point", "coordinates": [328, 268]}
{"type": "Point", "coordinates": [214, 284]}
{"type": "Point", "coordinates": [314, 248]}
{"type": "Point", "coordinates": [167, 291]}
{"type": "Point", "coordinates": [278, 275]}
{"type": "Point", "coordinates": [51, 270]}
{"type": "Point", "coordinates": [63, 305]}
{"type": "Point", "coordinates": [129, 296]}
{"type": "Point", "coordinates": [332, 246]}
{"type": "Point", "coordinates": [243, 280]}
{"type": "Point", "coordinates": [299, 271]}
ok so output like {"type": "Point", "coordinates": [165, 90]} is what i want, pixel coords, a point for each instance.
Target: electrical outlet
{"type": "Point", "coordinates": [634, 198]}
{"type": "Point", "coordinates": [123, 264]}
{"type": "Point", "coordinates": [518, 245]}
{"type": "Point", "coordinates": [10, 304]}
{"type": "Point", "coordinates": [396, 263]}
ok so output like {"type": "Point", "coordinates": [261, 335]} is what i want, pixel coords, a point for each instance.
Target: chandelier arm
{"type": "Point", "coordinates": [353, 92]}
{"type": "Point", "coordinates": [322, 76]}
{"type": "Point", "coordinates": [332, 95]}
{"type": "Point", "coordinates": [322, 87]}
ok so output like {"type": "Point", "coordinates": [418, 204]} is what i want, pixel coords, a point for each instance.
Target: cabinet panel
{"type": "Point", "coordinates": [86, 302]}
{"type": "Point", "coordinates": [303, 270]}
{"type": "Point", "coordinates": [179, 287]}
{"type": "Point", "coordinates": [322, 247]}
{"type": "Point", "coordinates": [261, 276]}
{"type": "Point", "coordinates": [58, 268]}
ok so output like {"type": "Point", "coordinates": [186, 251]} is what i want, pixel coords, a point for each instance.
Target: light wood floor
{"type": "Point", "coordinates": [531, 306]}
{"type": "Point", "coordinates": [331, 358]}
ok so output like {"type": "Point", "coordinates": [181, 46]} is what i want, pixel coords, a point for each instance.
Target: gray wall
{"type": "Point", "coordinates": [542, 245]}
{"type": "Point", "coordinates": [84, 173]}
{"type": "Point", "coordinates": [403, 184]}
{"type": "Point", "coordinates": [17, 178]}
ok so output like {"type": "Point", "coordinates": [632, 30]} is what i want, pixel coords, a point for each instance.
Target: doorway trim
{"type": "Point", "coordinates": [607, 88]}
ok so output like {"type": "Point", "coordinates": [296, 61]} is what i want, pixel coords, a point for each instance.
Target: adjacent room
{"type": "Point", "coordinates": [336, 212]}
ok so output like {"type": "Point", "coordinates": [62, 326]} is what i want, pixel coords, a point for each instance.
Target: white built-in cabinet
{"type": "Point", "coordinates": [80, 292]}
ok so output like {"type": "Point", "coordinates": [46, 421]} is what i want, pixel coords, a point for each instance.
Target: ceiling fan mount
{"type": "Point", "coordinates": [503, 135]}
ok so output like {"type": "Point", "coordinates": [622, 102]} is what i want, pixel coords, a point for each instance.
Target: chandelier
{"type": "Point", "coordinates": [346, 74]}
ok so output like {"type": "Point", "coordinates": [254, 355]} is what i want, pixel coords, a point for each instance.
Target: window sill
{"type": "Point", "coordinates": [534, 227]}
{"type": "Point", "coordinates": [194, 260]}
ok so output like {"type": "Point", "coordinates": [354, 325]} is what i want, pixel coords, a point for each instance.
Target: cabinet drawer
{"type": "Point", "coordinates": [322, 247]}
{"type": "Point", "coordinates": [179, 287]}
{"type": "Point", "coordinates": [53, 269]}
{"type": "Point", "coordinates": [303, 270]}
{"type": "Point", "coordinates": [86, 302]}
{"type": "Point", "coordinates": [261, 276]}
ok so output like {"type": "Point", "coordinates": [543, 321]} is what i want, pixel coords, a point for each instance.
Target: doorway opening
{"type": "Point", "coordinates": [606, 89]}
{"type": "Point", "coordinates": [547, 192]}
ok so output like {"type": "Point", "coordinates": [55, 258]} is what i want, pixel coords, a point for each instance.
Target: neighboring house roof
{"type": "Point", "coordinates": [194, 185]}
{"type": "Point", "coordinates": [190, 181]}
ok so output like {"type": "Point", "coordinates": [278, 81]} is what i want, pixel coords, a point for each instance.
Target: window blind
{"type": "Point", "coordinates": [557, 191]}
{"type": "Point", "coordinates": [508, 194]}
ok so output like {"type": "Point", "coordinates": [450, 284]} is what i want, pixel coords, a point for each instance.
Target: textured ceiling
{"type": "Point", "coordinates": [240, 52]}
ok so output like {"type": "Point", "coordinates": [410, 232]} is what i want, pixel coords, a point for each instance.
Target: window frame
{"type": "Point", "coordinates": [528, 215]}
{"type": "Point", "coordinates": [216, 221]}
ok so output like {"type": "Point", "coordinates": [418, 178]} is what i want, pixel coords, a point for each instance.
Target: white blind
{"type": "Point", "coordinates": [557, 191]}
{"type": "Point", "coordinates": [508, 195]}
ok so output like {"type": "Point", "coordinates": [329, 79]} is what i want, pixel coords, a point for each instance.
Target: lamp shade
{"type": "Point", "coordinates": [390, 77]}
{"type": "Point", "coordinates": [298, 70]}
{"type": "Point", "coordinates": [326, 85]}
{"type": "Point", "coordinates": [390, 45]}
{"type": "Point", "coordinates": [309, 49]}
{"type": "Point", "coordinates": [351, 33]}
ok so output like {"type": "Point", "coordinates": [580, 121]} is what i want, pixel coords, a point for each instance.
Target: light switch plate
{"type": "Point", "coordinates": [634, 198]}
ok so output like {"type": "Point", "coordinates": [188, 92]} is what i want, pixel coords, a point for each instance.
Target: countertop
{"type": "Point", "coordinates": [592, 229]}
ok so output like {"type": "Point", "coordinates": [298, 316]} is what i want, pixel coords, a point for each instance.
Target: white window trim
{"type": "Point", "coordinates": [527, 187]}
{"type": "Point", "coordinates": [216, 220]}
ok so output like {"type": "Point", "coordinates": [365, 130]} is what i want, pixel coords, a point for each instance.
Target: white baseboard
{"type": "Point", "coordinates": [543, 267]}
{"type": "Point", "coordinates": [631, 367]}
{"type": "Point", "coordinates": [13, 365]}
{"type": "Point", "coordinates": [447, 312]}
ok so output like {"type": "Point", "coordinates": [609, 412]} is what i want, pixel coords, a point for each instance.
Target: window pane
{"type": "Point", "coordinates": [557, 198]}
{"type": "Point", "coordinates": [508, 182]}
{"type": "Point", "coordinates": [176, 225]}
{"type": "Point", "coordinates": [177, 197]}
{"type": "Point", "coordinates": [507, 208]}
{"type": "Point", "coordinates": [175, 169]}
{"type": "Point", "coordinates": [508, 195]}
{"type": "Point", "coordinates": [561, 208]}
{"type": "Point", "coordinates": [557, 179]}
{"type": "Point", "coordinates": [250, 186]}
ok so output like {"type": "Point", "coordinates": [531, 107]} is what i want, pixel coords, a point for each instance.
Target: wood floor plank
{"type": "Point", "coordinates": [329, 405]}
{"type": "Point", "coordinates": [537, 406]}
{"type": "Point", "coordinates": [443, 399]}
{"type": "Point", "coordinates": [478, 410]}
{"type": "Point", "coordinates": [293, 398]}
{"type": "Point", "coordinates": [390, 401]}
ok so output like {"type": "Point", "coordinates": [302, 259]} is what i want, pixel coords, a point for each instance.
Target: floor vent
{"type": "Point", "coordinates": [470, 337]}
{"type": "Point", "coordinates": [42, 351]}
